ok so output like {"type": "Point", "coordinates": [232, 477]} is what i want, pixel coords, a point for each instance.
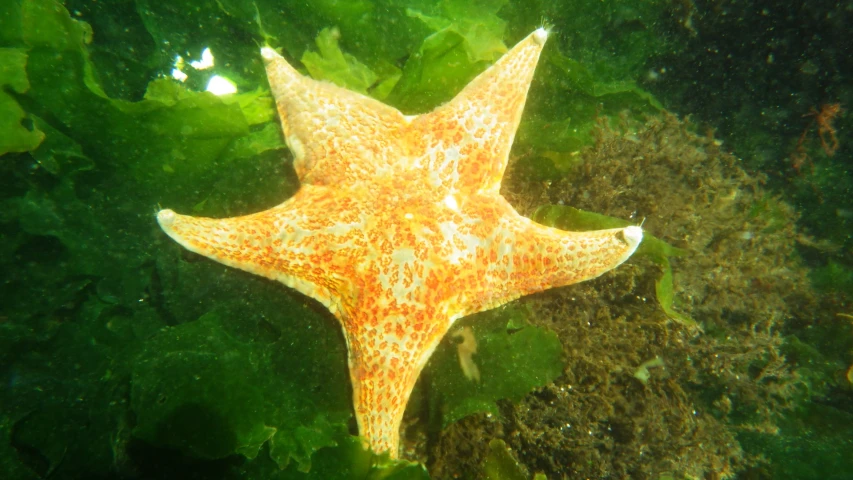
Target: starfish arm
{"type": "Point", "coordinates": [386, 355]}
{"type": "Point", "coordinates": [521, 257]}
{"type": "Point", "coordinates": [555, 258]}
{"type": "Point", "coordinates": [466, 143]}
{"type": "Point", "coordinates": [335, 135]}
{"type": "Point", "coordinates": [382, 382]}
{"type": "Point", "coordinates": [305, 243]}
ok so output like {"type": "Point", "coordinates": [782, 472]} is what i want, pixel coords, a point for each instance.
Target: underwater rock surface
{"type": "Point", "coordinates": [740, 280]}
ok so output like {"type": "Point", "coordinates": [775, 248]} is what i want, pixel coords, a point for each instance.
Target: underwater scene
{"type": "Point", "coordinates": [414, 239]}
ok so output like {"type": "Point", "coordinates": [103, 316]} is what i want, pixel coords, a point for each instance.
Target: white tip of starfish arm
{"type": "Point", "coordinates": [166, 218]}
{"type": "Point", "coordinates": [540, 36]}
{"type": "Point", "coordinates": [633, 235]}
{"type": "Point", "coordinates": [268, 53]}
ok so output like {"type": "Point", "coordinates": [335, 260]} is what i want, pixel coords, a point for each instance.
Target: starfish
{"type": "Point", "coordinates": [398, 226]}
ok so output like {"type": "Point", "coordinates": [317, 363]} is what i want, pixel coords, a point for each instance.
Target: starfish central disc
{"type": "Point", "coordinates": [399, 227]}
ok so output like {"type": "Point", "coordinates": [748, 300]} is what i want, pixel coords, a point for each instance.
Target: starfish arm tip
{"type": "Point", "coordinates": [166, 218]}
{"type": "Point", "coordinates": [268, 54]}
{"type": "Point", "coordinates": [633, 236]}
{"type": "Point", "coordinates": [540, 35]}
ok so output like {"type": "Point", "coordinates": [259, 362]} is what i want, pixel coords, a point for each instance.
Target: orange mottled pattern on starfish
{"type": "Point", "coordinates": [336, 136]}
{"type": "Point", "coordinates": [466, 143]}
{"type": "Point", "coordinates": [386, 359]}
{"type": "Point", "coordinates": [398, 227]}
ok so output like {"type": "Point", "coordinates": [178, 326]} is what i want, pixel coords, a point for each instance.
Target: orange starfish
{"type": "Point", "coordinates": [399, 227]}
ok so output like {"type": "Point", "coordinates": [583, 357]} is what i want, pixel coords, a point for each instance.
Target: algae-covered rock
{"type": "Point", "coordinates": [739, 279]}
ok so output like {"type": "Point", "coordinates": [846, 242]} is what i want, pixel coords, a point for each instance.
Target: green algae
{"type": "Point", "coordinates": [467, 38]}
{"type": "Point", "coordinates": [513, 357]}
{"type": "Point", "coordinates": [815, 444]}
{"type": "Point", "coordinates": [16, 137]}
{"type": "Point", "coordinates": [333, 65]}
{"type": "Point", "coordinates": [567, 127]}
{"type": "Point", "coordinates": [347, 460]}
{"type": "Point", "coordinates": [500, 464]}
{"type": "Point", "coordinates": [666, 295]}
{"type": "Point", "coordinates": [833, 277]}
{"type": "Point", "coordinates": [200, 389]}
